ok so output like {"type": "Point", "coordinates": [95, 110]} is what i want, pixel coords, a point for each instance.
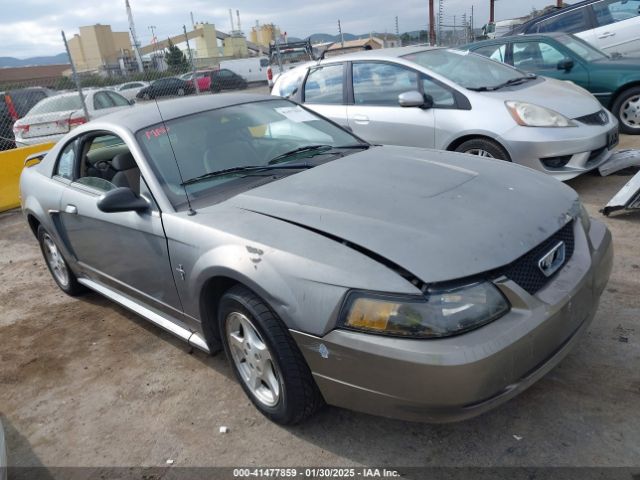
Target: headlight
{"type": "Point", "coordinates": [530, 115]}
{"type": "Point", "coordinates": [439, 313]}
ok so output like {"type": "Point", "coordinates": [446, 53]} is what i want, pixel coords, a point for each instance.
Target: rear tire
{"type": "Point", "coordinates": [483, 147]}
{"type": "Point", "coordinates": [626, 108]}
{"type": "Point", "coordinates": [266, 359]}
{"type": "Point", "coordinates": [57, 265]}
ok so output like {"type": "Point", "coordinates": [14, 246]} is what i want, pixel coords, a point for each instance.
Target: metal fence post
{"type": "Point", "coordinates": [193, 65]}
{"type": "Point", "coordinates": [76, 79]}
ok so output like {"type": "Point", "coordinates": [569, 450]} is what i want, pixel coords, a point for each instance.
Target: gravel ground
{"type": "Point", "coordinates": [85, 383]}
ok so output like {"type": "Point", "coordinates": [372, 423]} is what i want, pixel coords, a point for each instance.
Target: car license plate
{"type": "Point", "coordinates": [612, 139]}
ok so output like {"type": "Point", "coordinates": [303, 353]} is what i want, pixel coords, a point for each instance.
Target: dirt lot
{"type": "Point", "coordinates": [85, 383]}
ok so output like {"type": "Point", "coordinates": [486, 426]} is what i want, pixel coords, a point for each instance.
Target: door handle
{"type": "Point", "coordinates": [361, 119]}
{"type": "Point", "coordinates": [607, 34]}
{"type": "Point", "coordinates": [72, 209]}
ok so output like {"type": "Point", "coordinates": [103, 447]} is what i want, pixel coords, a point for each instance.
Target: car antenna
{"type": "Point", "coordinates": [191, 211]}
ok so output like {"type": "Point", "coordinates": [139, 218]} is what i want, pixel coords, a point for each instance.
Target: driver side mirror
{"type": "Point", "coordinates": [415, 99]}
{"type": "Point", "coordinates": [565, 64]}
{"type": "Point", "coordinates": [121, 199]}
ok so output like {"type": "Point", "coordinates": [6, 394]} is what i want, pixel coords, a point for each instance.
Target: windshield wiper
{"type": "Point", "coordinates": [252, 168]}
{"type": "Point", "coordinates": [513, 81]}
{"type": "Point", "coordinates": [314, 148]}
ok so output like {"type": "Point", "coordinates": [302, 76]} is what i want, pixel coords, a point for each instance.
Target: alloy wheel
{"type": "Point", "coordinates": [479, 152]}
{"type": "Point", "coordinates": [630, 112]}
{"type": "Point", "coordinates": [55, 261]}
{"type": "Point", "coordinates": [253, 360]}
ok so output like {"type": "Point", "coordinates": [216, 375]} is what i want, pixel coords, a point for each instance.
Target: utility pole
{"type": "Point", "coordinates": [473, 32]}
{"type": "Point", "coordinates": [432, 24]}
{"type": "Point", "coordinates": [193, 64]}
{"type": "Point", "coordinates": [341, 35]}
{"type": "Point", "coordinates": [397, 28]}
{"type": "Point", "coordinates": [76, 79]}
{"type": "Point", "coordinates": [440, 21]}
{"type": "Point", "coordinates": [492, 11]}
{"type": "Point", "coordinates": [154, 43]}
{"type": "Point", "coordinates": [132, 29]}
{"type": "Point", "coordinates": [559, 3]}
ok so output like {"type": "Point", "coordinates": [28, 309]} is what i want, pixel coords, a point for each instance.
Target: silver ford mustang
{"type": "Point", "coordinates": [397, 281]}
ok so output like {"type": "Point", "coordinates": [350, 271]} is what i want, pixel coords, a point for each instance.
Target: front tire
{"type": "Point", "coordinates": [483, 147]}
{"type": "Point", "coordinates": [266, 359]}
{"type": "Point", "coordinates": [627, 109]}
{"type": "Point", "coordinates": [57, 265]}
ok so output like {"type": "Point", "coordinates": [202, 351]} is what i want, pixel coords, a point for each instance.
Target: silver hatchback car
{"type": "Point", "coordinates": [459, 101]}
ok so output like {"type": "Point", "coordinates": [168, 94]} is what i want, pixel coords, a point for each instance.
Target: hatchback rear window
{"type": "Point", "coordinates": [57, 104]}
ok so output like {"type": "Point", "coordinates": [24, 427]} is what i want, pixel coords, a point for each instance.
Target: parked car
{"type": "Point", "coordinates": [397, 281]}
{"type": "Point", "coordinates": [51, 118]}
{"type": "Point", "coordinates": [459, 101]}
{"type": "Point", "coordinates": [224, 79]}
{"type": "Point", "coordinates": [610, 25]}
{"type": "Point", "coordinates": [14, 105]}
{"type": "Point", "coordinates": [203, 79]}
{"type": "Point", "coordinates": [615, 82]}
{"type": "Point", "coordinates": [252, 69]}
{"type": "Point", "coordinates": [287, 56]}
{"type": "Point", "coordinates": [129, 90]}
{"type": "Point", "coordinates": [166, 87]}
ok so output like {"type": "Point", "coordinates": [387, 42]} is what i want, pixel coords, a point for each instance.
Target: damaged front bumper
{"type": "Point", "coordinates": [454, 378]}
{"type": "Point", "coordinates": [627, 198]}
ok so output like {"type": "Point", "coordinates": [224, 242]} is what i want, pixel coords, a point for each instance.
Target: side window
{"type": "Point", "coordinates": [324, 85]}
{"type": "Point", "coordinates": [536, 56]}
{"type": "Point", "coordinates": [611, 11]}
{"type": "Point", "coordinates": [100, 101]}
{"type": "Point", "coordinates": [106, 163]}
{"type": "Point", "coordinates": [66, 161]}
{"type": "Point", "coordinates": [118, 100]}
{"type": "Point", "coordinates": [441, 96]}
{"type": "Point", "coordinates": [381, 83]}
{"type": "Point", "coordinates": [494, 52]}
{"type": "Point", "coordinates": [573, 21]}
{"type": "Point", "coordinates": [264, 62]}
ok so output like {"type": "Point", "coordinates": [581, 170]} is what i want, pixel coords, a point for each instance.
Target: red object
{"type": "Point", "coordinates": [269, 74]}
{"type": "Point", "coordinates": [74, 122]}
{"type": "Point", "coordinates": [12, 109]}
{"type": "Point", "coordinates": [20, 128]}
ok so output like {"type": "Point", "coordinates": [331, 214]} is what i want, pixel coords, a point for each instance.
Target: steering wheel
{"type": "Point", "coordinates": [279, 148]}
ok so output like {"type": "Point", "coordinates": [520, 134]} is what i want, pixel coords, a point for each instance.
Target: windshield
{"type": "Point", "coordinates": [467, 69]}
{"type": "Point", "coordinates": [582, 48]}
{"type": "Point", "coordinates": [57, 104]}
{"type": "Point", "coordinates": [246, 135]}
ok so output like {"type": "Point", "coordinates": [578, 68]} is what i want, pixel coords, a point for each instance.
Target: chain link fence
{"type": "Point", "coordinates": [41, 104]}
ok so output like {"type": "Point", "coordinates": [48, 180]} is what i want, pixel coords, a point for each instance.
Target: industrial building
{"type": "Point", "coordinates": [99, 49]}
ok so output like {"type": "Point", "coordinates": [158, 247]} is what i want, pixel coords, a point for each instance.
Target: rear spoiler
{"type": "Point", "coordinates": [34, 158]}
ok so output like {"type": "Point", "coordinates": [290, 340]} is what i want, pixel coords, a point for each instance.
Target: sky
{"type": "Point", "coordinates": [31, 28]}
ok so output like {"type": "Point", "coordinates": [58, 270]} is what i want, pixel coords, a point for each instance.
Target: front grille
{"type": "Point", "coordinates": [525, 271]}
{"type": "Point", "coordinates": [598, 118]}
{"type": "Point", "coordinates": [595, 154]}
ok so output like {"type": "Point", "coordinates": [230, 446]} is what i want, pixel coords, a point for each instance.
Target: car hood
{"type": "Point", "coordinates": [560, 96]}
{"type": "Point", "coordinates": [439, 215]}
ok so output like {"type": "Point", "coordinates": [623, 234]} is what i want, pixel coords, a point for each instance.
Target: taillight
{"type": "Point", "coordinates": [20, 129]}
{"type": "Point", "coordinates": [74, 122]}
{"type": "Point", "coordinates": [269, 74]}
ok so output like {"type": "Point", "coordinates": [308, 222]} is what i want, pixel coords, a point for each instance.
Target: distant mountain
{"type": "Point", "coordinates": [59, 59]}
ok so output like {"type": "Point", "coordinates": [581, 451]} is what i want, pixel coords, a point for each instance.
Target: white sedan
{"type": "Point", "coordinates": [129, 90]}
{"type": "Point", "coordinates": [53, 117]}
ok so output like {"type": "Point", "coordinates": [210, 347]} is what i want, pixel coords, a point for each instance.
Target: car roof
{"type": "Point", "coordinates": [512, 38]}
{"type": "Point", "coordinates": [552, 13]}
{"type": "Point", "coordinates": [144, 115]}
{"type": "Point", "coordinates": [379, 53]}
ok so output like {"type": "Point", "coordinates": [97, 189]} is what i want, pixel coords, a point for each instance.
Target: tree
{"type": "Point", "coordinates": [176, 59]}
